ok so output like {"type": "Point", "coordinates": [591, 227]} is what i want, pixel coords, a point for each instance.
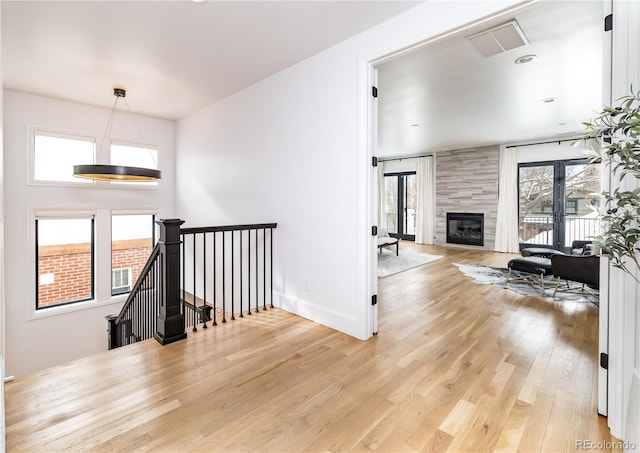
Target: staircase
{"type": "Point", "coordinates": [196, 276]}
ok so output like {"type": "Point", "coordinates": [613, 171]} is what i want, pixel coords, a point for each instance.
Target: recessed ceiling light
{"type": "Point", "coordinates": [415, 125]}
{"type": "Point", "coordinates": [525, 59]}
{"type": "Point", "coordinates": [549, 100]}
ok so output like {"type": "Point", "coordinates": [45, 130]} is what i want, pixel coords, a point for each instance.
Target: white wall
{"type": "Point", "coordinates": [2, 322]}
{"type": "Point", "coordinates": [269, 153]}
{"type": "Point", "coordinates": [400, 165]}
{"type": "Point", "coordinates": [551, 151]}
{"type": "Point", "coordinates": [57, 335]}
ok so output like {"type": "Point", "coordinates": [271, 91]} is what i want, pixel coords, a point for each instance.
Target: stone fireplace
{"type": "Point", "coordinates": [465, 228]}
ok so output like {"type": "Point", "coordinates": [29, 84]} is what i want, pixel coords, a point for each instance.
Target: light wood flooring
{"type": "Point", "coordinates": [457, 366]}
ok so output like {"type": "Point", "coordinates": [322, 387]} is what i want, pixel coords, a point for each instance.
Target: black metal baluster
{"type": "Point", "coordinates": [233, 272]}
{"type": "Point", "coordinates": [241, 270]}
{"type": "Point", "coordinates": [145, 297]}
{"type": "Point", "coordinates": [155, 293]}
{"type": "Point", "coordinates": [257, 270]}
{"type": "Point", "coordinates": [215, 294]}
{"type": "Point", "coordinates": [224, 280]}
{"type": "Point", "coordinates": [271, 265]}
{"type": "Point", "coordinates": [249, 272]}
{"type": "Point", "coordinates": [204, 282]}
{"type": "Point", "coordinates": [264, 268]}
{"type": "Point", "coordinates": [195, 329]}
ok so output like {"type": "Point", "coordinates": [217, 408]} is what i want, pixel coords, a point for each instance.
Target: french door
{"type": "Point", "coordinates": [400, 204]}
{"type": "Point", "coordinates": [555, 202]}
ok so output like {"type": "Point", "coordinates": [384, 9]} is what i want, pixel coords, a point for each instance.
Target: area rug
{"type": "Point", "coordinates": [497, 276]}
{"type": "Point", "coordinates": [389, 263]}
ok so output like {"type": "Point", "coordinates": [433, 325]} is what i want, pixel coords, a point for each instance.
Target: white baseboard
{"type": "Point", "coordinates": [2, 430]}
{"type": "Point", "coordinates": [342, 322]}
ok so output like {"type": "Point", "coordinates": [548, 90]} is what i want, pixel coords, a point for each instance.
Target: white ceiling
{"type": "Point", "coordinates": [461, 99]}
{"type": "Point", "coordinates": [172, 57]}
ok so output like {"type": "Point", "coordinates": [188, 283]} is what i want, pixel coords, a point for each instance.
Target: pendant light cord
{"type": "Point", "coordinates": [107, 131]}
{"type": "Point", "coordinates": [135, 120]}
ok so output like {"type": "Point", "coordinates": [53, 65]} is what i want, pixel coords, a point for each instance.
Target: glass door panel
{"type": "Point", "coordinates": [409, 214]}
{"type": "Point", "coordinates": [391, 203]}
{"type": "Point", "coordinates": [536, 213]}
{"type": "Point", "coordinates": [581, 192]}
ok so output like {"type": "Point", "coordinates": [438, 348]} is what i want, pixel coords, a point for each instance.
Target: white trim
{"type": "Point", "coordinates": [64, 213]}
{"type": "Point", "coordinates": [624, 335]}
{"type": "Point", "coordinates": [58, 310]}
{"type": "Point", "coordinates": [129, 211]}
{"type": "Point", "coordinates": [605, 184]}
{"type": "Point", "coordinates": [366, 244]}
{"type": "Point", "coordinates": [332, 318]}
{"type": "Point", "coordinates": [603, 335]}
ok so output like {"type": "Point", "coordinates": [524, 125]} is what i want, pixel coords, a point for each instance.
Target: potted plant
{"type": "Point", "coordinates": [617, 131]}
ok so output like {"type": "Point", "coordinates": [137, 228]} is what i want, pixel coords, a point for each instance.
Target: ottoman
{"type": "Point", "coordinates": [540, 251]}
{"type": "Point", "coordinates": [530, 268]}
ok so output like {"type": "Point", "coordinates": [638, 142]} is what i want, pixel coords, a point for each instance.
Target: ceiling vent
{"type": "Point", "coordinates": [499, 39]}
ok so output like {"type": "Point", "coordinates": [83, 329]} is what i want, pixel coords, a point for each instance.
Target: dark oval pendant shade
{"type": "Point", "coordinates": [116, 173]}
{"type": "Point", "coordinates": [123, 173]}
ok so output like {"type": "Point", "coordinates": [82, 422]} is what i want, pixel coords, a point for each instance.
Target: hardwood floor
{"type": "Point", "coordinates": [457, 366]}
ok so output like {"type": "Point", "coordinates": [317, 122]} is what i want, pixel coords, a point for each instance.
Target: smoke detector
{"type": "Point", "coordinates": [499, 39]}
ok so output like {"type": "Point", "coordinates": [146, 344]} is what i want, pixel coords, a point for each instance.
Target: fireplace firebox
{"type": "Point", "coordinates": [465, 228]}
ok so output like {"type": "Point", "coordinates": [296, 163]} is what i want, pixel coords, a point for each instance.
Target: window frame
{"type": "Point", "coordinates": [42, 214]}
{"type": "Point", "coordinates": [98, 158]}
{"type": "Point", "coordinates": [32, 131]}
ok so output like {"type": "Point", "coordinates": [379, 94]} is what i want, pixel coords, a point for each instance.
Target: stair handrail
{"type": "Point", "coordinates": [136, 287]}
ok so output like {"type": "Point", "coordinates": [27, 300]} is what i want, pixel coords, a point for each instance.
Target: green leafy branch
{"type": "Point", "coordinates": [617, 131]}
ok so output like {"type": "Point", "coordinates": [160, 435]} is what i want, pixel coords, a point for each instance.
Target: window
{"type": "Point", "coordinates": [132, 240]}
{"type": "Point", "coordinates": [54, 156]}
{"type": "Point", "coordinates": [145, 156]}
{"type": "Point", "coordinates": [64, 258]}
{"type": "Point", "coordinates": [120, 280]}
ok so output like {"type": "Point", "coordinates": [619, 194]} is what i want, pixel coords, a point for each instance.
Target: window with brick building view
{"type": "Point", "coordinates": [65, 255]}
{"type": "Point", "coordinates": [132, 240]}
{"type": "Point", "coordinates": [65, 258]}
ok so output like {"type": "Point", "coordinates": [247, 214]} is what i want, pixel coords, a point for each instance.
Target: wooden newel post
{"type": "Point", "coordinates": [170, 321]}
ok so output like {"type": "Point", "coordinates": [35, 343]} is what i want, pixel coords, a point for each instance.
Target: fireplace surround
{"type": "Point", "coordinates": [465, 228]}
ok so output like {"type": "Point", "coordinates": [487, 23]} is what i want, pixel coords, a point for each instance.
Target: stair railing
{"type": "Point", "coordinates": [227, 271]}
{"type": "Point", "coordinates": [153, 309]}
{"type": "Point", "coordinates": [197, 275]}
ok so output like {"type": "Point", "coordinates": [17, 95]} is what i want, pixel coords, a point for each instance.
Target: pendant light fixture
{"type": "Point", "coordinates": [118, 173]}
